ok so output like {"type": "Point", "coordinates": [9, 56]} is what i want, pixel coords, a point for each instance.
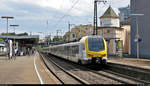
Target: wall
{"type": "Point", "coordinates": [110, 22]}
{"type": "Point", "coordinates": [126, 37]}
{"type": "Point", "coordinates": [142, 7]}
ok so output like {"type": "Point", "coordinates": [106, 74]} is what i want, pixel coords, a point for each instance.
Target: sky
{"type": "Point", "coordinates": [47, 16]}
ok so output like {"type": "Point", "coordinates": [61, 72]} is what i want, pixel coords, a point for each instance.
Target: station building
{"type": "Point", "coordinates": [117, 36]}
{"type": "Point", "coordinates": [111, 29]}
{"type": "Point", "coordinates": [21, 43]}
{"type": "Point", "coordinates": [2, 48]}
{"type": "Point", "coordinates": [140, 7]}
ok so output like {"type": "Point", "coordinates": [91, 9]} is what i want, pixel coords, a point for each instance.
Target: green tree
{"type": "Point", "coordinates": [8, 34]}
{"type": "Point", "coordinates": [38, 47]}
{"type": "Point", "coordinates": [23, 34]}
{"type": "Point", "coordinates": [57, 39]}
{"type": "Point", "coordinates": [1, 40]}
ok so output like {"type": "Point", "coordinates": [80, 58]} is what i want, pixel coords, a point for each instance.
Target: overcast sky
{"type": "Point", "coordinates": [32, 15]}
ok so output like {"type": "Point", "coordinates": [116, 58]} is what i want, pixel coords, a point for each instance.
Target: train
{"type": "Point", "coordinates": [89, 49]}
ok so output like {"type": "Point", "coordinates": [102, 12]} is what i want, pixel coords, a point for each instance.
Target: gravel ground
{"type": "Point", "coordinates": [87, 75]}
{"type": "Point", "coordinates": [63, 76]}
{"type": "Point", "coordinates": [47, 76]}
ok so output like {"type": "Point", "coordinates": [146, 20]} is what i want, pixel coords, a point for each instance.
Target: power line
{"type": "Point", "coordinates": [66, 12]}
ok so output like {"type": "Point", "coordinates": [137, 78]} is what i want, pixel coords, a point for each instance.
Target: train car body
{"type": "Point", "coordinates": [90, 49]}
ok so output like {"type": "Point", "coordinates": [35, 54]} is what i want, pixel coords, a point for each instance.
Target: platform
{"type": "Point", "coordinates": [141, 63]}
{"type": "Point", "coordinates": [22, 71]}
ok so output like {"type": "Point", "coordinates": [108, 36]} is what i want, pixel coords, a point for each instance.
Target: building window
{"type": "Point", "coordinates": [108, 31]}
{"type": "Point", "coordinates": [73, 35]}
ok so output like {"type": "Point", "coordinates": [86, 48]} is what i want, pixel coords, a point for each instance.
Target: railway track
{"type": "Point", "coordinates": [96, 77]}
{"type": "Point", "coordinates": [121, 76]}
{"type": "Point", "coordinates": [135, 73]}
{"type": "Point", "coordinates": [63, 76]}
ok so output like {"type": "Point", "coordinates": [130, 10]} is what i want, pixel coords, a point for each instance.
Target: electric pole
{"type": "Point", "coordinates": [95, 15]}
{"type": "Point", "coordinates": [69, 31]}
{"type": "Point", "coordinates": [57, 31]}
{"type": "Point", "coordinates": [69, 25]}
{"type": "Point", "coordinates": [14, 27]}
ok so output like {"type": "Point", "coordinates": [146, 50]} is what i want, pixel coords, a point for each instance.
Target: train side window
{"type": "Point", "coordinates": [75, 50]}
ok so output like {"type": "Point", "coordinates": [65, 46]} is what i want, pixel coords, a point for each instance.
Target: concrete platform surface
{"type": "Point", "coordinates": [22, 71]}
{"type": "Point", "coordinates": [141, 63]}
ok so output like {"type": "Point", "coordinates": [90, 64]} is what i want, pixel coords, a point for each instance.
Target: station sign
{"type": "Point", "coordinates": [137, 36]}
{"type": "Point", "coordinates": [137, 40]}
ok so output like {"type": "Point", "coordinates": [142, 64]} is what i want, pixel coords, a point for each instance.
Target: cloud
{"type": "Point", "coordinates": [32, 15]}
{"type": "Point", "coordinates": [81, 8]}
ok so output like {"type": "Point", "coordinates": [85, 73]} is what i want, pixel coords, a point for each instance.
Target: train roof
{"type": "Point", "coordinates": [91, 36]}
{"type": "Point", "coordinates": [81, 40]}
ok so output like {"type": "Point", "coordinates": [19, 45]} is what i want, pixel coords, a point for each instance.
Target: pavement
{"type": "Point", "coordinates": [141, 63]}
{"type": "Point", "coordinates": [3, 57]}
{"type": "Point", "coordinates": [22, 71]}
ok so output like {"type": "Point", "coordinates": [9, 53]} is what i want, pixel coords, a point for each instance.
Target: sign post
{"type": "Point", "coordinates": [137, 33]}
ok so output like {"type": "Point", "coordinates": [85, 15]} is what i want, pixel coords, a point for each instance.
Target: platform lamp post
{"type": "Point", "coordinates": [42, 33]}
{"type": "Point", "coordinates": [48, 34]}
{"type": "Point", "coordinates": [7, 17]}
{"type": "Point", "coordinates": [14, 27]}
{"type": "Point", "coordinates": [137, 40]}
{"type": "Point", "coordinates": [14, 32]}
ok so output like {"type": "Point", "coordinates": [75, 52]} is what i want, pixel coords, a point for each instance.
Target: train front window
{"type": "Point", "coordinates": [95, 44]}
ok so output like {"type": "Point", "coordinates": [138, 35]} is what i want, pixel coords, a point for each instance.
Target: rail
{"type": "Point", "coordinates": [67, 72]}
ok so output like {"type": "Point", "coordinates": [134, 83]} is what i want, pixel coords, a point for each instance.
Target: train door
{"type": "Point", "coordinates": [83, 50]}
{"type": "Point", "coordinates": [80, 53]}
{"type": "Point", "coordinates": [75, 52]}
{"type": "Point", "coordinates": [70, 56]}
{"type": "Point", "coordinates": [67, 54]}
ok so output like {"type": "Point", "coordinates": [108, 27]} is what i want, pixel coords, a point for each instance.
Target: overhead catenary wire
{"type": "Point", "coordinates": [75, 2]}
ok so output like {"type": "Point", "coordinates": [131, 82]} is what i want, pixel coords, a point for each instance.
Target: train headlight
{"type": "Point", "coordinates": [103, 55]}
{"type": "Point", "coordinates": [90, 55]}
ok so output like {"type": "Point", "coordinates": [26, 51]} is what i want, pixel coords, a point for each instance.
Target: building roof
{"type": "Point", "coordinates": [109, 13]}
{"type": "Point", "coordinates": [118, 28]}
{"type": "Point", "coordinates": [20, 37]}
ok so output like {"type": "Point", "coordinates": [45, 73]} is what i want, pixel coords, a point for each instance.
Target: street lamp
{"type": "Point", "coordinates": [42, 33]}
{"type": "Point", "coordinates": [7, 17]}
{"type": "Point", "coordinates": [14, 27]}
{"type": "Point", "coordinates": [14, 44]}
{"type": "Point", "coordinates": [47, 36]}
{"type": "Point", "coordinates": [137, 33]}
